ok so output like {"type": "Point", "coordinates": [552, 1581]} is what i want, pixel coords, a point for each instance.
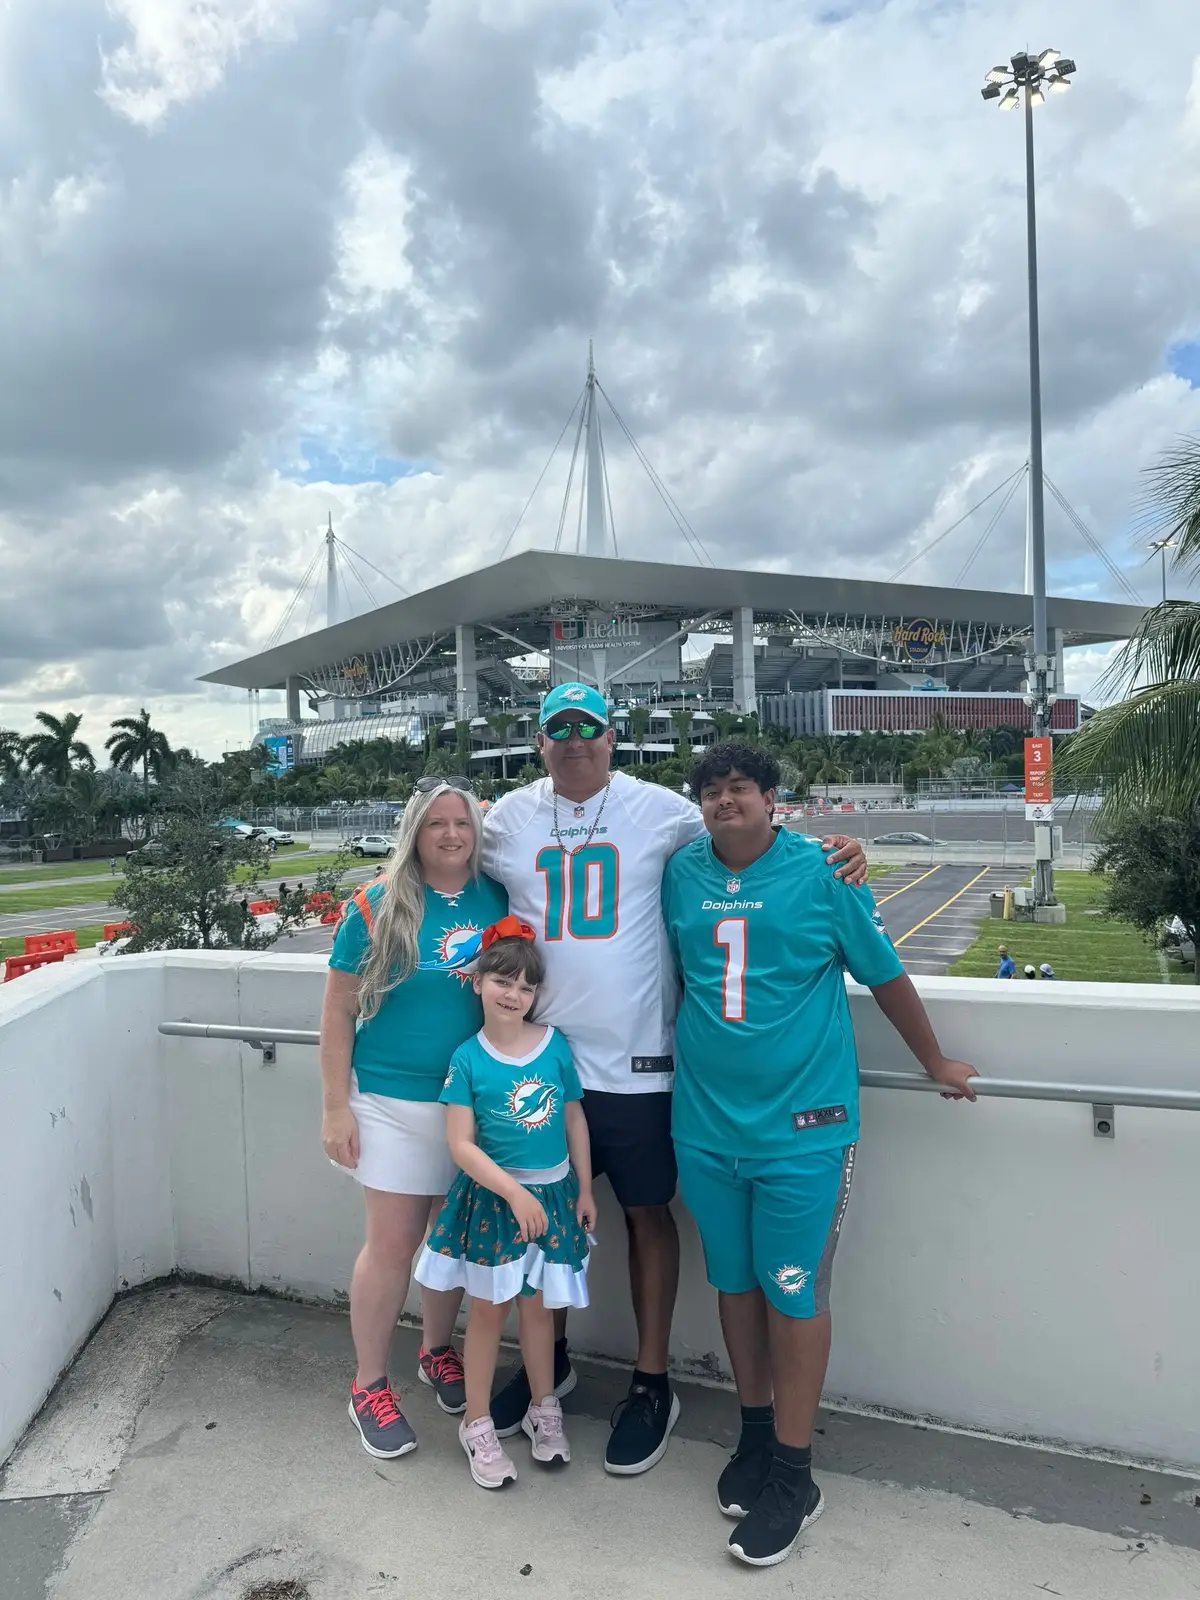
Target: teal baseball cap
{"type": "Point", "coordinates": [574, 697]}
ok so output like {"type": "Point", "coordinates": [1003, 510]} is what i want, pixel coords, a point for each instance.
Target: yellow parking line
{"type": "Point", "coordinates": [942, 908]}
{"type": "Point", "coordinates": [908, 886]}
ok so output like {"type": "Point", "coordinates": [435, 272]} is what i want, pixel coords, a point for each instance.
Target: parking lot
{"type": "Point", "coordinates": [934, 913]}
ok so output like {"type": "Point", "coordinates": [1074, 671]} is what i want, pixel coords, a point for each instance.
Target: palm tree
{"type": "Point", "coordinates": [1145, 749]}
{"type": "Point", "coordinates": [12, 751]}
{"type": "Point", "coordinates": [134, 742]}
{"type": "Point", "coordinates": [54, 751]}
{"type": "Point", "coordinates": [501, 723]}
{"type": "Point", "coordinates": [639, 727]}
{"type": "Point", "coordinates": [683, 719]}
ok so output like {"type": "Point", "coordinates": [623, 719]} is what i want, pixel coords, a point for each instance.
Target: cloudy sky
{"type": "Point", "coordinates": [264, 260]}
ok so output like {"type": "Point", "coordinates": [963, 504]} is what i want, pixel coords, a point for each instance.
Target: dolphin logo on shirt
{"type": "Point", "coordinates": [456, 949]}
{"type": "Point", "coordinates": [531, 1103]}
{"type": "Point", "coordinates": [791, 1279]}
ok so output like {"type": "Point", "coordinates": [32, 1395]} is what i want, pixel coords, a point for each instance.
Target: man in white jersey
{"type": "Point", "coordinates": [581, 853]}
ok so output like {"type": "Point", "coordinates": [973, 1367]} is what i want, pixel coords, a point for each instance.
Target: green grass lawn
{"type": "Point", "coordinates": [49, 899]}
{"type": "Point", "coordinates": [1091, 947]}
{"type": "Point", "coordinates": [85, 938]}
{"type": "Point", "coordinates": [302, 864]}
{"type": "Point", "coordinates": [60, 869]}
{"type": "Point", "coordinates": [285, 861]}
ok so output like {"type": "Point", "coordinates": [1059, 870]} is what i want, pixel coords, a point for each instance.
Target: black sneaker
{"type": "Point", "coordinates": [513, 1401]}
{"type": "Point", "coordinates": [641, 1426]}
{"type": "Point", "coordinates": [769, 1533]}
{"type": "Point", "coordinates": [745, 1473]}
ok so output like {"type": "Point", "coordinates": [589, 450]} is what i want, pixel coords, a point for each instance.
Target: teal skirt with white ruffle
{"type": "Point", "coordinates": [476, 1245]}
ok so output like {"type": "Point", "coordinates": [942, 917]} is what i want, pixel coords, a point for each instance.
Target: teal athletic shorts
{"type": "Point", "coordinates": [772, 1223]}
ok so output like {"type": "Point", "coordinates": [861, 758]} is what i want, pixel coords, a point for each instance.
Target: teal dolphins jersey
{"type": "Point", "coordinates": [765, 1056]}
{"type": "Point", "coordinates": [404, 1049]}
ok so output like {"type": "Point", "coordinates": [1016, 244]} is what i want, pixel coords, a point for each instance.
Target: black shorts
{"type": "Point", "coordinates": [631, 1145]}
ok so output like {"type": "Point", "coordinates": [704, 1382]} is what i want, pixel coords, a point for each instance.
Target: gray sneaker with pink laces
{"type": "Point", "coordinates": [544, 1426]}
{"type": "Point", "coordinates": [490, 1465]}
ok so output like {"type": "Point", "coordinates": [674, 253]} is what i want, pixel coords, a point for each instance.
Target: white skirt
{"type": "Point", "coordinates": [402, 1145]}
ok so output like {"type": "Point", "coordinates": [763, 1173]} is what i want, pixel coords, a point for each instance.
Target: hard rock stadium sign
{"type": "Point", "coordinates": [918, 639]}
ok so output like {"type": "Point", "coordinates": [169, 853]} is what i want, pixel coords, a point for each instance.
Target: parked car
{"type": "Point", "coordinates": [903, 838]}
{"type": "Point", "coordinates": [149, 853]}
{"type": "Point", "coordinates": [372, 844]}
{"type": "Point", "coordinates": [1177, 942]}
{"type": "Point", "coordinates": [274, 837]}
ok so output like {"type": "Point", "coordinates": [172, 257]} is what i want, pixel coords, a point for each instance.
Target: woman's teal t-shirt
{"type": "Point", "coordinates": [403, 1051]}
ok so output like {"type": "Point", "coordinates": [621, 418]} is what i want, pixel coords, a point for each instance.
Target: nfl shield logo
{"type": "Point", "coordinates": [733, 885]}
{"type": "Point", "coordinates": [579, 811]}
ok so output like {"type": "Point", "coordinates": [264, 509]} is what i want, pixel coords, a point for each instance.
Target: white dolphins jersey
{"type": "Point", "coordinates": [597, 910]}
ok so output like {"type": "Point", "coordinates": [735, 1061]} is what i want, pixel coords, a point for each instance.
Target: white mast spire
{"type": "Point", "coordinates": [597, 543]}
{"type": "Point", "coordinates": [331, 584]}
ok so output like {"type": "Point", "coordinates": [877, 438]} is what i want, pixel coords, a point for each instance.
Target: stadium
{"type": "Point", "coordinates": [815, 655]}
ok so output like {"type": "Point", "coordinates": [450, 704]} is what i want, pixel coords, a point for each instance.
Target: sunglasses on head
{"type": "Point", "coordinates": [428, 785]}
{"type": "Point", "coordinates": [585, 730]}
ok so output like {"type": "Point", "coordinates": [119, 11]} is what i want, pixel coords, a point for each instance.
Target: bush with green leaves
{"type": "Point", "coordinates": [1153, 863]}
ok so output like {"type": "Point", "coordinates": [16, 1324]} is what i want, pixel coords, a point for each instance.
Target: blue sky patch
{"type": "Point", "coordinates": [319, 462]}
{"type": "Point", "coordinates": [1183, 359]}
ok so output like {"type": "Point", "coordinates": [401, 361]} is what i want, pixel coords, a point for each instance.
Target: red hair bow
{"type": "Point", "coordinates": [507, 928]}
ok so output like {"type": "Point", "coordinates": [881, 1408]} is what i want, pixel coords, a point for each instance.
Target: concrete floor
{"type": "Point", "coordinates": [200, 1450]}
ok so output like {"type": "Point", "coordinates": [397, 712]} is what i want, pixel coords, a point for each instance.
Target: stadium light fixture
{"type": "Point", "coordinates": [1028, 79]}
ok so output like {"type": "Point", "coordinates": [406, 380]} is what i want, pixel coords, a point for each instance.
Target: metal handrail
{"type": "Point", "coordinates": [1024, 1089]}
{"type": "Point", "coordinates": [993, 1088]}
{"type": "Point", "coordinates": [222, 1030]}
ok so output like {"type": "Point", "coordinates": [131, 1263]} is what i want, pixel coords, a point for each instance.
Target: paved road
{"type": "Point", "coordinates": [934, 913]}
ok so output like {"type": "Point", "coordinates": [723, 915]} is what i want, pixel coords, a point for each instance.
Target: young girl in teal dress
{"type": "Point", "coordinates": [516, 1222]}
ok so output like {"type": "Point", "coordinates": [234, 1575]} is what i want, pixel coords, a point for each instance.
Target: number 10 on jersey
{"type": "Point", "coordinates": [582, 890]}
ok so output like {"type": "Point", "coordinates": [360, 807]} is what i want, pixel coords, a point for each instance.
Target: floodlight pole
{"type": "Point", "coordinates": [1041, 639]}
{"type": "Point", "coordinates": [1039, 676]}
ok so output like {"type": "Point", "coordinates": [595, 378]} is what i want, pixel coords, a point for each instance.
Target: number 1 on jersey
{"type": "Point", "coordinates": [730, 935]}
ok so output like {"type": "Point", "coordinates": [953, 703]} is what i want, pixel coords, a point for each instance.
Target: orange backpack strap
{"type": "Point", "coordinates": [363, 901]}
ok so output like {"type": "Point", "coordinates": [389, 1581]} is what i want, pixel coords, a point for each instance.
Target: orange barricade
{"type": "Point", "coordinates": [118, 930]}
{"type": "Point", "coordinates": [334, 914]}
{"type": "Point", "coordinates": [320, 901]}
{"type": "Point", "coordinates": [44, 944]}
{"type": "Point", "coordinates": [260, 908]}
{"type": "Point", "coordinates": [18, 966]}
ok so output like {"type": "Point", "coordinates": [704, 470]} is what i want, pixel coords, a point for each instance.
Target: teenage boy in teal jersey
{"type": "Point", "coordinates": [765, 1115]}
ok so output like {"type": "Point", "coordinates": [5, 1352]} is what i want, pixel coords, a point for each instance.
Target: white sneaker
{"type": "Point", "coordinates": [544, 1426]}
{"type": "Point", "coordinates": [490, 1466]}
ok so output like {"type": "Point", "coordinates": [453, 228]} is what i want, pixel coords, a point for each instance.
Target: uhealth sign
{"type": "Point", "coordinates": [1039, 781]}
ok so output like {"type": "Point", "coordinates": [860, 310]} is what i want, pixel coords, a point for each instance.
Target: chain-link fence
{"type": "Point", "coordinates": [999, 836]}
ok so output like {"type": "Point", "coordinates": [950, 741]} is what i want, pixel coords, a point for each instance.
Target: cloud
{"type": "Point", "coordinates": [267, 260]}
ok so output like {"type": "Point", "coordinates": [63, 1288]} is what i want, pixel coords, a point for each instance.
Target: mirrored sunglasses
{"type": "Point", "coordinates": [562, 732]}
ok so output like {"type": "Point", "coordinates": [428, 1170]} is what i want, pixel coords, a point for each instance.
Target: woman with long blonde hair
{"type": "Point", "coordinates": [398, 1003]}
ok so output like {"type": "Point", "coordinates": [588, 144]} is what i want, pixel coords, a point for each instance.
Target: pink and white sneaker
{"type": "Point", "coordinates": [490, 1466]}
{"type": "Point", "coordinates": [544, 1426]}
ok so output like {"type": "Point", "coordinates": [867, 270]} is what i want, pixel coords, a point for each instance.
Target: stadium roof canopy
{"type": "Point", "coordinates": [515, 602]}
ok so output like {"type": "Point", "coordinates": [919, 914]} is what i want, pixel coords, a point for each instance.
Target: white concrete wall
{"type": "Point", "coordinates": [85, 1203]}
{"type": "Point", "coordinates": [1000, 1268]}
